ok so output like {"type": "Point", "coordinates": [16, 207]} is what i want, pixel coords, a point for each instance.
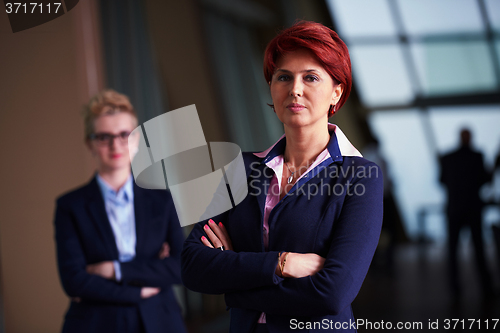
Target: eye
{"type": "Point", "coordinates": [124, 135]}
{"type": "Point", "coordinates": [311, 78]}
{"type": "Point", "coordinates": [103, 137]}
{"type": "Point", "coordinates": [283, 77]}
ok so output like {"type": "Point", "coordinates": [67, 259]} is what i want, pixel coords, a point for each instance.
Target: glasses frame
{"type": "Point", "coordinates": [107, 139]}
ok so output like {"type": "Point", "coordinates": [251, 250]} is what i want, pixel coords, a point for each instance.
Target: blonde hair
{"type": "Point", "coordinates": [105, 103]}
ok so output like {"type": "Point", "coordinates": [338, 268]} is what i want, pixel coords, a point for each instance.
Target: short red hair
{"type": "Point", "coordinates": [323, 42]}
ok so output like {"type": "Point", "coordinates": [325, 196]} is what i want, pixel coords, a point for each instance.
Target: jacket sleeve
{"type": "Point", "coordinates": [335, 286]}
{"type": "Point", "coordinates": [212, 271]}
{"type": "Point", "coordinates": [71, 261]}
{"type": "Point", "coordinates": [155, 272]}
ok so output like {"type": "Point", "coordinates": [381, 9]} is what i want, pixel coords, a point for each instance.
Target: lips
{"type": "Point", "coordinates": [295, 107]}
{"type": "Point", "coordinates": [114, 156]}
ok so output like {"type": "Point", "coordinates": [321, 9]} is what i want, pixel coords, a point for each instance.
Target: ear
{"type": "Point", "coordinates": [337, 93]}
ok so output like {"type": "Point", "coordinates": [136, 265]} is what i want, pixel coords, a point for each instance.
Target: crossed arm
{"type": "Point", "coordinates": [106, 269]}
{"type": "Point", "coordinates": [289, 265]}
{"type": "Point", "coordinates": [97, 281]}
{"type": "Point", "coordinates": [320, 286]}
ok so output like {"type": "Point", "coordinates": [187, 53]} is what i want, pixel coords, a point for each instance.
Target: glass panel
{"type": "Point", "coordinates": [483, 122]}
{"type": "Point", "coordinates": [380, 75]}
{"type": "Point", "coordinates": [493, 9]}
{"type": "Point", "coordinates": [454, 67]}
{"type": "Point", "coordinates": [429, 17]}
{"type": "Point", "coordinates": [412, 168]}
{"type": "Point", "coordinates": [362, 18]}
{"type": "Point", "coordinates": [497, 47]}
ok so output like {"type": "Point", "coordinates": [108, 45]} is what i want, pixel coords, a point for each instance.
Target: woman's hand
{"type": "Point", "coordinates": [165, 251]}
{"type": "Point", "coordinates": [147, 292]}
{"type": "Point", "coordinates": [105, 269]}
{"type": "Point", "coordinates": [218, 236]}
{"type": "Point", "coordinates": [299, 265]}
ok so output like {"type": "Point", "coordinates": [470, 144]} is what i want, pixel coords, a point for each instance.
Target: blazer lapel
{"type": "Point", "coordinates": [100, 218]}
{"type": "Point", "coordinates": [142, 210]}
{"type": "Point", "coordinates": [258, 186]}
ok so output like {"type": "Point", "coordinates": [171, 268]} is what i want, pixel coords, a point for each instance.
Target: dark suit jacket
{"type": "Point", "coordinates": [84, 236]}
{"type": "Point", "coordinates": [342, 225]}
{"type": "Point", "coordinates": [463, 174]}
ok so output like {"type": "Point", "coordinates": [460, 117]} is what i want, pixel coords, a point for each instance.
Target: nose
{"type": "Point", "coordinates": [297, 88]}
{"type": "Point", "coordinates": [112, 141]}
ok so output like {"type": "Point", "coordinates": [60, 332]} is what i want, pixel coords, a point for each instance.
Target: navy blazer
{"type": "Point", "coordinates": [84, 236]}
{"type": "Point", "coordinates": [342, 226]}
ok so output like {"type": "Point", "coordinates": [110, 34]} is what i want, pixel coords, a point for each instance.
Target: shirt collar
{"type": "Point", "coordinates": [338, 146]}
{"type": "Point", "coordinates": [125, 193]}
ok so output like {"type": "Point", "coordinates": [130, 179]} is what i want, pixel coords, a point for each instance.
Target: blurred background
{"type": "Point", "coordinates": [423, 70]}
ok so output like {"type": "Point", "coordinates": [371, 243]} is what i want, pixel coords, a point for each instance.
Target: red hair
{"type": "Point", "coordinates": [323, 42]}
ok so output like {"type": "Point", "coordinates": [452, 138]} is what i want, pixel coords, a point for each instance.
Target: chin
{"type": "Point", "coordinates": [299, 121]}
{"type": "Point", "coordinates": [296, 122]}
{"type": "Point", "coordinates": [116, 165]}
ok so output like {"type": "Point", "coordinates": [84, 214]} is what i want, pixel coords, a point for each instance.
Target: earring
{"type": "Point", "coordinates": [332, 111]}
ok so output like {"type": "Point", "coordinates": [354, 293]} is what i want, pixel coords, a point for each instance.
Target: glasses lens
{"type": "Point", "coordinates": [107, 138]}
{"type": "Point", "coordinates": [103, 138]}
{"type": "Point", "coordinates": [124, 136]}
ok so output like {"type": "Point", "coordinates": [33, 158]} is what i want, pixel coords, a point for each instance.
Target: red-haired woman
{"type": "Point", "coordinates": [294, 253]}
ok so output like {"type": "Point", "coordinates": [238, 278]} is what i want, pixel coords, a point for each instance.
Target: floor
{"type": "Point", "coordinates": [416, 291]}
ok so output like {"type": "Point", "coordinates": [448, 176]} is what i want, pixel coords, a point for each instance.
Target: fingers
{"type": "Point", "coordinates": [92, 269]}
{"type": "Point", "coordinates": [206, 242]}
{"type": "Point", "coordinates": [147, 292]}
{"type": "Point", "coordinates": [165, 251]}
{"type": "Point", "coordinates": [105, 269]}
{"type": "Point", "coordinates": [228, 245]}
{"type": "Point", "coordinates": [220, 233]}
{"type": "Point", "coordinates": [217, 236]}
{"type": "Point", "coordinates": [302, 264]}
{"type": "Point", "coordinates": [211, 235]}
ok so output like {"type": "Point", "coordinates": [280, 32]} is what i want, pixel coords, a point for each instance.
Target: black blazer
{"type": "Point", "coordinates": [463, 173]}
{"type": "Point", "coordinates": [84, 236]}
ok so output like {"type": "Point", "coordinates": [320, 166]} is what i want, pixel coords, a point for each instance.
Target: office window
{"type": "Point", "coordinates": [424, 69]}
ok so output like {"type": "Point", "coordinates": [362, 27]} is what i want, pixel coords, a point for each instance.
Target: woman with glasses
{"type": "Point", "coordinates": [118, 245]}
{"type": "Point", "coordinates": [292, 256]}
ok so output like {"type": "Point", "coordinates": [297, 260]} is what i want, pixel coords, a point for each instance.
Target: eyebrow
{"type": "Point", "coordinates": [304, 71]}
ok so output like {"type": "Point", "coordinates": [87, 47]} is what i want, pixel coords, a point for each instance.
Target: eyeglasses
{"type": "Point", "coordinates": [106, 139]}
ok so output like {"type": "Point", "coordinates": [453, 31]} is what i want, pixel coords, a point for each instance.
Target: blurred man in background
{"type": "Point", "coordinates": [463, 174]}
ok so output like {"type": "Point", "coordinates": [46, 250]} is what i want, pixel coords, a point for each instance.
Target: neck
{"type": "Point", "coordinates": [115, 178]}
{"type": "Point", "coordinates": [304, 144]}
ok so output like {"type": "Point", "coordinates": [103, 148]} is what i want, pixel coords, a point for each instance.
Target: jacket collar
{"type": "Point", "coordinates": [96, 206]}
{"type": "Point", "coordinates": [100, 219]}
{"type": "Point", "coordinates": [124, 194]}
{"type": "Point", "coordinates": [338, 146]}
